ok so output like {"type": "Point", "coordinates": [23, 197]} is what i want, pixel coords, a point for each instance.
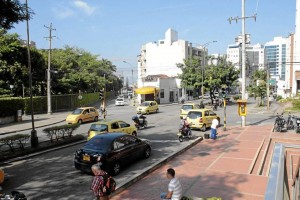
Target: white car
{"type": "Point", "coordinates": [119, 102]}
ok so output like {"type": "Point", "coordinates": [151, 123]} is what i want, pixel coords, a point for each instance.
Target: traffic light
{"type": "Point", "coordinates": [101, 94]}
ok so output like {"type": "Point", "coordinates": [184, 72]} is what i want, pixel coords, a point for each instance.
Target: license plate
{"type": "Point", "coordinates": [298, 121]}
{"type": "Point", "coordinates": [86, 158]}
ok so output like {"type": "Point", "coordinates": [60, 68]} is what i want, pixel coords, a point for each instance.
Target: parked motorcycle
{"type": "Point", "coordinates": [15, 195]}
{"type": "Point", "coordinates": [140, 121]}
{"type": "Point", "coordinates": [297, 128]}
{"type": "Point", "coordinates": [279, 124]}
{"type": "Point", "coordinates": [289, 122]}
{"type": "Point", "coordinates": [184, 133]}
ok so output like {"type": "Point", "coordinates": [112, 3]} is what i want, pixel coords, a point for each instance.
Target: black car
{"type": "Point", "coordinates": [115, 151]}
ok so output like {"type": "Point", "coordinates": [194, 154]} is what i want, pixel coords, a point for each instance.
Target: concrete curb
{"type": "Point", "coordinates": [153, 167]}
{"type": "Point", "coordinates": [42, 152]}
{"type": "Point", "coordinates": [31, 128]}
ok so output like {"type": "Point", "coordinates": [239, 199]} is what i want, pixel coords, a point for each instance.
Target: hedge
{"type": "Point", "coordinates": [60, 132]}
{"type": "Point", "coordinates": [9, 106]}
{"type": "Point", "coordinates": [19, 139]}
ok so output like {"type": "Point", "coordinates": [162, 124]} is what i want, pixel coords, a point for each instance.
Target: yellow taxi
{"type": "Point", "coordinates": [201, 118]}
{"type": "Point", "coordinates": [83, 114]}
{"type": "Point", "coordinates": [111, 126]}
{"type": "Point", "coordinates": [148, 107]}
{"type": "Point", "coordinates": [185, 108]}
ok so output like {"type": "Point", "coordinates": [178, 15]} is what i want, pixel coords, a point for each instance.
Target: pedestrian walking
{"type": "Point", "coordinates": [213, 129]}
{"type": "Point", "coordinates": [174, 187]}
{"type": "Point", "coordinates": [98, 185]}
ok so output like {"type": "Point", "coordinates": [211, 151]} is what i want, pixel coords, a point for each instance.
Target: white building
{"type": "Point", "coordinates": [278, 62]}
{"type": "Point", "coordinates": [295, 79]}
{"type": "Point", "coordinates": [158, 61]}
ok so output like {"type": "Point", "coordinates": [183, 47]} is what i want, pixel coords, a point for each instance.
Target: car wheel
{"type": "Point", "coordinates": [77, 166]}
{"type": "Point", "coordinates": [203, 128]}
{"type": "Point", "coordinates": [147, 152]}
{"type": "Point", "coordinates": [116, 168]}
{"type": "Point", "coordinates": [157, 110]}
{"type": "Point", "coordinates": [134, 133]}
{"type": "Point", "coordinates": [96, 119]}
{"type": "Point", "coordinates": [180, 139]}
{"type": "Point", "coordinates": [147, 112]}
{"type": "Point", "coordinates": [80, 121]}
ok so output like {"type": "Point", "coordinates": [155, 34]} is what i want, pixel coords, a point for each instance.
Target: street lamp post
{"type": "Point", "coordinates": [34, 139]}
{"type": "Point", "coordinates": [203, 64]}
{"type": "Point", "coordinates": [131, 71]}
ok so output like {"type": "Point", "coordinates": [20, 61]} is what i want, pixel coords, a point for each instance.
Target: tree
{"type": "Point", "coordinates": [258, 86]}
{"type": "Point", "coordinates": [13, 65]}
{"type": "Point", "coordinates": [222, 75]}
{"type": "Point", "coordinates": [12, 11]}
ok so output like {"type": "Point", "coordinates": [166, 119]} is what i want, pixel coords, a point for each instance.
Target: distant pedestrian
{"type": "Point", "coordinates": [98, 185]}
{"type": "Point", "coordinates": [174, 188]}
{"type": "Point", "coordinates": [213, 129]}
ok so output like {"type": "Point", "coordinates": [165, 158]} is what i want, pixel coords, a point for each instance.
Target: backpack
{"type": "Point", "coordinates": [109, 183]}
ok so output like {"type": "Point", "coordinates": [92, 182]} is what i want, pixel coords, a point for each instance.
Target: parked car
{"type": "Point", "coordinates": [115, 150]}
{"type": "Point", "coordinates": [148, 107]}
{"type": "Point", "coordinates": [119, 102]}
{"type": "Point", "coordinates": [111, 126]}
{"type": "Point", "coordinates": [83, 114]}
{"type": "Point", "coordinates": [185, 108]}
{"type": "Point", "coordinates": [201, 118]}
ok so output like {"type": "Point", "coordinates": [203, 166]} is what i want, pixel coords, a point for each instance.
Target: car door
{"type": "Point", "coordinates": [206, 118]}
{"type": "Point", "coordinates": [86, 115]}
{"type": "Point", "coordinates": [125, 128]}
{"type": "Point", "coordinates": [124, 150]}
{"type": "Point", "coordinates": [114, 127]}
{"type": "Point", "coordinates": [93, 113]}
{"type": "Point", "coordinates": [212, 116]}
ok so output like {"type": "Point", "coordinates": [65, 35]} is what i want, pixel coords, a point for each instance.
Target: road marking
{"type": "Point", "coordinates": [162, 141]}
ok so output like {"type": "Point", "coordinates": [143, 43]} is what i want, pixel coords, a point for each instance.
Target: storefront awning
{"type": "Point", "coordinates": [146, 90]}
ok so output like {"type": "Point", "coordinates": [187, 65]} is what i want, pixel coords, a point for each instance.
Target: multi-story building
{"type": "Point", "coordinates": [158, 60]}
{"type": "Point", "coordinates": [278, 62]}
{"type": "Point", "coordinates": [295, 59]}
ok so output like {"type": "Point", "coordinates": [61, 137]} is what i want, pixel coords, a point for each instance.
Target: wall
{"type": "Point", "coordinates": [168, 85]}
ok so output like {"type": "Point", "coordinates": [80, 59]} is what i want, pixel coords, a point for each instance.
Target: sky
{"type": "Point", "coordinates": [116, 29]}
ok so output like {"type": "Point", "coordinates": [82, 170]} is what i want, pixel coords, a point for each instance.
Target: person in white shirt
{"type": "Point", "coordinates": [174, 188]}
{"type": "Point", "coordinates": [213, 129]}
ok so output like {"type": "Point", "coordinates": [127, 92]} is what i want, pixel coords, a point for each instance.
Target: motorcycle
{"type": "Point", "coordinates": [184, 133]}
{"type": "Point", "coordinates": [140, 121]}
{"type": "Point", "coordinates": [279, 124]}
{"type": "Point", "coordinates": [290, 123]}
{"type": "Point", "coordinates": [15, 195]}
{"type": "Point", "coordinates": [297, 124]}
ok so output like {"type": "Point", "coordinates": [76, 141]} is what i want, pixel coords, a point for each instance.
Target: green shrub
{"type": "Point", "coordinates": [9, 106]}
{"type": "Point", "coordinates": [39, 105]}
{"type": "Point", "coordinates": [278, 98]}
{"type": "Point", "coordinates": [19, 139]}
{"type": "Point", "coordinates": [60, 132]}
{"type": "Point", "coordinates": [296, 103]}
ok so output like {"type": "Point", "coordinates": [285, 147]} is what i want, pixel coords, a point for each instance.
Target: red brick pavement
{"type": "Point", "coordinates": [218, 168]}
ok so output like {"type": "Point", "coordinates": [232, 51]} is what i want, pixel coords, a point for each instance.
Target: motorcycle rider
{"type": "Point", "coordinates": [201, 105]}
{"type": "Point", "coordinates": [185, 127]}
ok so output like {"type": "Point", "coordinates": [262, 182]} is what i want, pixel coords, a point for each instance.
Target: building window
{"type": "Point", "coordinates": [162, 93]}
{"type": "Point", "coordinates": [161, 42]}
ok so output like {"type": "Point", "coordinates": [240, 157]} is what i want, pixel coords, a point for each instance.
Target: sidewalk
{"type": "Point", "coordinates": [40, 120]}
{"type": "Point", "coordinates": [220, 168]}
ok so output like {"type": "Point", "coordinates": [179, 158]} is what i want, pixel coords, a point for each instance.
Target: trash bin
{"type": "Point", "coordinates": [19, 115]}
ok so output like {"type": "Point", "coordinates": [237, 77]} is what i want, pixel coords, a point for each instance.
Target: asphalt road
{"type": "Point", "coordinates": [52, 175]}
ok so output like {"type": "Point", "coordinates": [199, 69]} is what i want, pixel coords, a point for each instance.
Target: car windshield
{"type": "Point", "coordinates": [77, 111]}
{"type": "Point", "coordinates": [187, 107]}
{"type": "Point", "coordinates": [97, 144]}
{"type": "Point", "coordinates": [99, 127]}
{"type": "Point", "coordinates": [145, 104]}
{"type": "Point", "coordinates": [119, 99]}
{"type": "Point", "coordinates": [194, 115]}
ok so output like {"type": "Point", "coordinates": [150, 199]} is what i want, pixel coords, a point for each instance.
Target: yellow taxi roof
{"type": "Point", "coordinates": [107, 121]}
{"type": "Point", "coordinates": [200, 110]}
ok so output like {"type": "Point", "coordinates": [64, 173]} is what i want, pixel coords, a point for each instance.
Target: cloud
{"type": "Point", "coordinates": [62, 12]}
{"type": "Point", "coordinates": [80, 4]}
{"type": "Point", "coordinates": [70, 9]}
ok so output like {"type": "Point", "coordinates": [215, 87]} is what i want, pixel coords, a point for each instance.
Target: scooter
{"type": "Point", "coordinates": [184, 133]}
{"type": "Point", "coordinates": [140, 121]}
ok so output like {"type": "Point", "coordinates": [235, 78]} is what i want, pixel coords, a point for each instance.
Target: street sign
{"type": "Point", "coordinates": [79, 97]}
{"type": "Point", "coordinates": [272, 81]}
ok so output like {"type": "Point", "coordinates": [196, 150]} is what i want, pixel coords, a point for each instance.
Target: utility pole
{"type": "Point", "coordinates": [49, 67]}
{"type": "Point", "coordinates": [268, 87]}
{"type": "Point", "coordinates": [33, 136]}
{"type": "Point", "coordinates": [243, 18]}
